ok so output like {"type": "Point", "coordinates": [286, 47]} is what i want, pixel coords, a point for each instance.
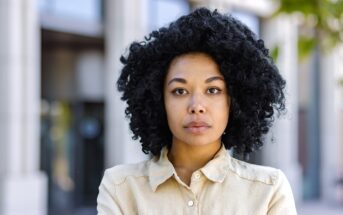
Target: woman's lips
{"type": "Point", "coordinates": [197, 130]}
{"type": "Point", "coordinates": [197, 127]}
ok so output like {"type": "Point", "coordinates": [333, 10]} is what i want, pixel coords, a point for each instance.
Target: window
{"type": "Point", "coordinates": [89, 10]}
{"type": "Point", "coordinates": [162, 12]}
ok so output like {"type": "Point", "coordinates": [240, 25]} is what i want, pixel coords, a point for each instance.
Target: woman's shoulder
{"type": "Point", "coordinates": [272, 183]}
{"type": "Point", "coordinates": [119, 173]}
{"type": "Point", "coordinates": [257, 173]}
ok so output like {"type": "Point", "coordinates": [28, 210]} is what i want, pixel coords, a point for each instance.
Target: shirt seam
{"type": "Point", "coordinates": [124, 180]}
{"type": "Point", "coordinates": [270, 206]}
{"type": "Point", "coordinates": [253, 180]}
{"type": "Point", "coordinates": [272, 183]}
{"type": "Point", "coordinates": [117, 199]}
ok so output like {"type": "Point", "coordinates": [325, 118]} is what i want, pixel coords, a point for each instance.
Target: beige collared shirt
{"type": "Point", "coordinates": [223, 186]}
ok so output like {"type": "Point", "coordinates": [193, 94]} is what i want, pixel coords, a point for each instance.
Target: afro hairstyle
{"type": "Point", "coordinates": [253, 81]}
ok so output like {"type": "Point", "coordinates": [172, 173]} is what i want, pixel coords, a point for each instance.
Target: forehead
{"type": "Point", "coordinates": [193, 65]}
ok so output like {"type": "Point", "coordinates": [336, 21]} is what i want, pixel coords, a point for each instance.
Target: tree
{"type": "Point", "coordinates": [322, 21]}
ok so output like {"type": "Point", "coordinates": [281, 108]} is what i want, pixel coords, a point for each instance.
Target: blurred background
{"type": "Point", "coordinates": [62, 122]}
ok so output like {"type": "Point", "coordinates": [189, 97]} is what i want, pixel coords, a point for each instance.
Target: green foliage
{"type": "Point", "coordinates": [340, 82]}
{"type": "Point", "coordinates": [275, 53]}
{"type": "Point", "coordinates": [305, 46]}
{"type": "Point", "coordinates": [305, 6]}
{"type": "Point", "coordinates": [324, 17]}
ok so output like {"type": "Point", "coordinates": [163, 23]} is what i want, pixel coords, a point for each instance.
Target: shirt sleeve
{"type": "Point", "coordinates": [107, 202]}
{"type": "Point", "coordinates": [282, 202]}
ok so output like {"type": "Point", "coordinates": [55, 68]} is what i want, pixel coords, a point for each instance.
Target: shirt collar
{"type": "Point", "coordinates": [161, 168]}
{"type": "Point", "coordinates": [217, 168]}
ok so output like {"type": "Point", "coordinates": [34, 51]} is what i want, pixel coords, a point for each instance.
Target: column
{"type": "Point", "coordinates": [283, 151]}
{"type": "Point", "coordinates": [23, 188]}
{"type": "Point", "coordinates": [126, 21]}
{"type": "Point", "coordinates": [338, 71]}
{"type": "Point", "coordinates": [330, 117]}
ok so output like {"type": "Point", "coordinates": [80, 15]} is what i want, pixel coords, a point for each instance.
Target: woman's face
{"type": "Point", "coordinates": [196, 100]}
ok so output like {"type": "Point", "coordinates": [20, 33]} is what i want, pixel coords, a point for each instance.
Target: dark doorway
{"type": "Point", "coordinates": [72, 120]}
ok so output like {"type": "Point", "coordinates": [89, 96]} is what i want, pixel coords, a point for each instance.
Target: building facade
{"type": "Point", "coordinates": [62, 120]}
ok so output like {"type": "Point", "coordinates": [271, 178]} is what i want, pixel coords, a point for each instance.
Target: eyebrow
{"type": "Point", "coordinates": [214, 79]}
{"type": "Point", "coordinates": [183, 81]}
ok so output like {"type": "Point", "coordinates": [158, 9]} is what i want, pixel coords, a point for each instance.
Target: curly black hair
{"type": "Point", "coordinates": [253, 81]}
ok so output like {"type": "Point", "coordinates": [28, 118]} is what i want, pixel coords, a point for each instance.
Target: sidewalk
{"type": "Point", "coordinates": [319, 208]}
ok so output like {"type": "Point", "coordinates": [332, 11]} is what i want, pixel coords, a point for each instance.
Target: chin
{"type": "Point", "coordinates": [199, 141]}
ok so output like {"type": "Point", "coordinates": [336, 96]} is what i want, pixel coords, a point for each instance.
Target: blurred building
{"type": "Point", "coordinates": [62, 122]}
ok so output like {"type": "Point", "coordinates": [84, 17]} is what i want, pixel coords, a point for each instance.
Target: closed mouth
{"type": "Point", "coordinates": [197, 127]}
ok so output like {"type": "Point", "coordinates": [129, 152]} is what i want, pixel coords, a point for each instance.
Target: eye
{"type": "Point", "coordinates": [179, 92]}
{"type": "Point", "coordinates": [213, 90]}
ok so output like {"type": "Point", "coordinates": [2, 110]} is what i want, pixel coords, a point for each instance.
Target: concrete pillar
{"type": "Point", "coordinates": [282, 152]}
{"type": "Point", "coordinates": [23, 188]}
{"type": "Point", "coordinates": [121, 30]}
{"type": "Point", "coordinates": [338, 68]}
{"type": "Point", "coordinates": [330, 116]}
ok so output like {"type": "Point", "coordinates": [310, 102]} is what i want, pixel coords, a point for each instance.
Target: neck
{"type": "Point", "coordinates": [191, 158]}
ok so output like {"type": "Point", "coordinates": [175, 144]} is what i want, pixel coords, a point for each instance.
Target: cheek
{"type": "Point", "coordinates": [171, 108]}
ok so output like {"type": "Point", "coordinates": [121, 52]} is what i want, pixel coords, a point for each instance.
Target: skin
{"type": "Point", "coordinates": [197, 106]}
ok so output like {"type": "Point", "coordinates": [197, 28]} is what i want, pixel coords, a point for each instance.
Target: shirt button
{"type": "Point", "coordinates": [197, 176]}
{"type": "Point", "coordinates": [190, 203]}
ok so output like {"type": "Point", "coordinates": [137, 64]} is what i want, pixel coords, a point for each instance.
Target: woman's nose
{"type": "Point", "coordinates": [196, 105]}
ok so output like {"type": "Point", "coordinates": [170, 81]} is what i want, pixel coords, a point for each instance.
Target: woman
{"type": "Point", "coordinates": [193, 89]}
